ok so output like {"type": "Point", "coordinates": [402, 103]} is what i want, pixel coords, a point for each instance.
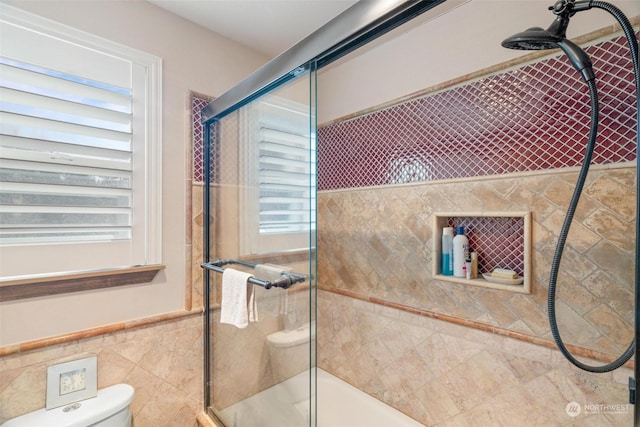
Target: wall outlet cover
{"type": "Point", "coordinates": [71, 382]}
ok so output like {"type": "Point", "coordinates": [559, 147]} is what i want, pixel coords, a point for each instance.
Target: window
{"type": "Point", "coordinates": [281, 195]}
{"type": "Point", "coordinates": [80, 151]}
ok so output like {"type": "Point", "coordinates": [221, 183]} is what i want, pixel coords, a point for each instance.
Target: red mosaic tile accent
{"type": "Point", "coordinates": [197, 104]}
{"type": "Point", "coordinates": [499, 241]}
{"type": "Point", "coordinates": [536, 117]}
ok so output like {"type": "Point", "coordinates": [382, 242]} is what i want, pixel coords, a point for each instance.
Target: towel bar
{"type": "Point", "coordinates": [285, 281]}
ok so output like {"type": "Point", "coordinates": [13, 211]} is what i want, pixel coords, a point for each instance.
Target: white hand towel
{"type": "Point", "coordinates": [238, 300]}
{"type": "Point", "coordinates": [273, 302]}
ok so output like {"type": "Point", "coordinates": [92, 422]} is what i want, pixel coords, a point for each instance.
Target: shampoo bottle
{"type": "Point", "coordinates": [460, 253]}
{"type": "Point", "coordinates": [447, 251]}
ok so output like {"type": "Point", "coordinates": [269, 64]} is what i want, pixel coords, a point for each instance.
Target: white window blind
{"type": "Point", "coordinates": [66, 150]}
{"type": "Point", "coordinates": [79, 150]}
{"type": "Point", "coordinates": [282, 174]}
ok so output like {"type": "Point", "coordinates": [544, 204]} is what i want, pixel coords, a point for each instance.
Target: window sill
{"type": "Point", "coordinates": [64, 283]}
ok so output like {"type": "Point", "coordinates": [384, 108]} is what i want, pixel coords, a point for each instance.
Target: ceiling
{"type": "Point", "coordinates": [268, 26]}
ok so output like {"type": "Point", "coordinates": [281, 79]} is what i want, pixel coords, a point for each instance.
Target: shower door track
{"type": "Point", "coordinates": [353, 28]}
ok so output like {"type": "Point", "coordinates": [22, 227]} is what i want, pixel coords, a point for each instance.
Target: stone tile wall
{"type": "Point", "coordinates": [377, 243]}
{"type": "Point", "coordinates": [241, 363]}
{"type": "Point", "coordinates": [163, 362]}
{"type": "Point", "coordinates": [443, 374]}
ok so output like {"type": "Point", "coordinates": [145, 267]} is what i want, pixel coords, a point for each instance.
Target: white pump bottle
{"type": "Point", "coordinates": [460, 252]}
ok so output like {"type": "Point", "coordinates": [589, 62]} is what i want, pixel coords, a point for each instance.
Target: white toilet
{"type": "Point", "coordinates": [289, 351]}
{"type": "Point", "coordinates": [111, 408]}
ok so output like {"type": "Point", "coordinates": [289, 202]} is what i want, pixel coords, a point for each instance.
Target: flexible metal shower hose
{"type": "Point", "coordinates": [633, 44]}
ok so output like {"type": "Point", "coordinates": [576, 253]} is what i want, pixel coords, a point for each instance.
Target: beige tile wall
{"type": "Point", "coordinates": [443, 374]}
{"type": "Point", "coordinates": [377, 243]}
{"type": "Point", "coordinates": [163, 362]}
{"type": "Point", "coordinates": [196, 255]}
{"type": "Point", "coordinates": [241, 363]}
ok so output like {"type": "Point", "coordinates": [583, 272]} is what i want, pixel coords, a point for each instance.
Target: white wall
{"type": "Point", "coordinates": [461, 41]}
{"type": "Point", "coordinates": [194, 59]}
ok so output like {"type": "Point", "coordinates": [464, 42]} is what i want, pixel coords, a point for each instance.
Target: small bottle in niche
{"type": "Point", "coordinates": [460, 253]}
{"type": "Point", "coordinates": [447, 251]}
{"type": "Point", "coordinates": [474, 265]}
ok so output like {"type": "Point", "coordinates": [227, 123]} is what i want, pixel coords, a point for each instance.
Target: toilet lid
{"type": "Point", "coordinates": [109, 401]}
{"type": "Point", "coordinates": [292, 337]}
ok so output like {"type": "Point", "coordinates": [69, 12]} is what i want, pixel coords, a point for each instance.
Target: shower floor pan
{"type": "Point", "coordinates": [339, 405]}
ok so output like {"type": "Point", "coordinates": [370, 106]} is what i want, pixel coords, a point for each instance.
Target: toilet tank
{"type": "Point", "coordinates": [110, 408]}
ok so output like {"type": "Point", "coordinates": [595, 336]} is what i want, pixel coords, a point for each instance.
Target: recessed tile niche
{"type": "Point", "coordinates": [501, 240]}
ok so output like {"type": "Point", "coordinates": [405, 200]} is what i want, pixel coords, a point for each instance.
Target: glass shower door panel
{"type": "Point", "coordinates": [262, 213]}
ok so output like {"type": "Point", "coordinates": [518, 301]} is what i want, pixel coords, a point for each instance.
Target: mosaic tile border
{"type": "Point", "coordinates": [495, 125]}
{"type": "Point", "coordinates": [198, 103]}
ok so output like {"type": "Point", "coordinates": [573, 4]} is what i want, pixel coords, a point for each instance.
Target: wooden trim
{"type": "Point", "coordinates": [94, 332]}
{"type": "Point", "coordinates": [11, 290]}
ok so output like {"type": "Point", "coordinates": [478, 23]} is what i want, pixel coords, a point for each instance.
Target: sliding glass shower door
{"type": "Point", "coordinates": [261, 208]}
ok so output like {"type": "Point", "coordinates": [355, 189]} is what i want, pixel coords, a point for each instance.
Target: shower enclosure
{"type": "Point", "coordinates": [260, 206]}
{"type": "Point", "coordinates": [260, 212]}
{"type": "Point", "coordinates": [395, 169]}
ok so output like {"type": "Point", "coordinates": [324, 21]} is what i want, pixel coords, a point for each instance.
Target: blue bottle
{"type": "Point", "coordinates": [447, 251]}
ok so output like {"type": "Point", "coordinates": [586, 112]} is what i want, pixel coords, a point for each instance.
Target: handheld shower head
{"type": "Point", "coordinates": [532, 39]}
{"type": "Point", "coordinates": [554, 37]}
{"type": "Point", "coordinates": [578, 58]}
{"type": "Point", "coordinates": [536, 39]}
